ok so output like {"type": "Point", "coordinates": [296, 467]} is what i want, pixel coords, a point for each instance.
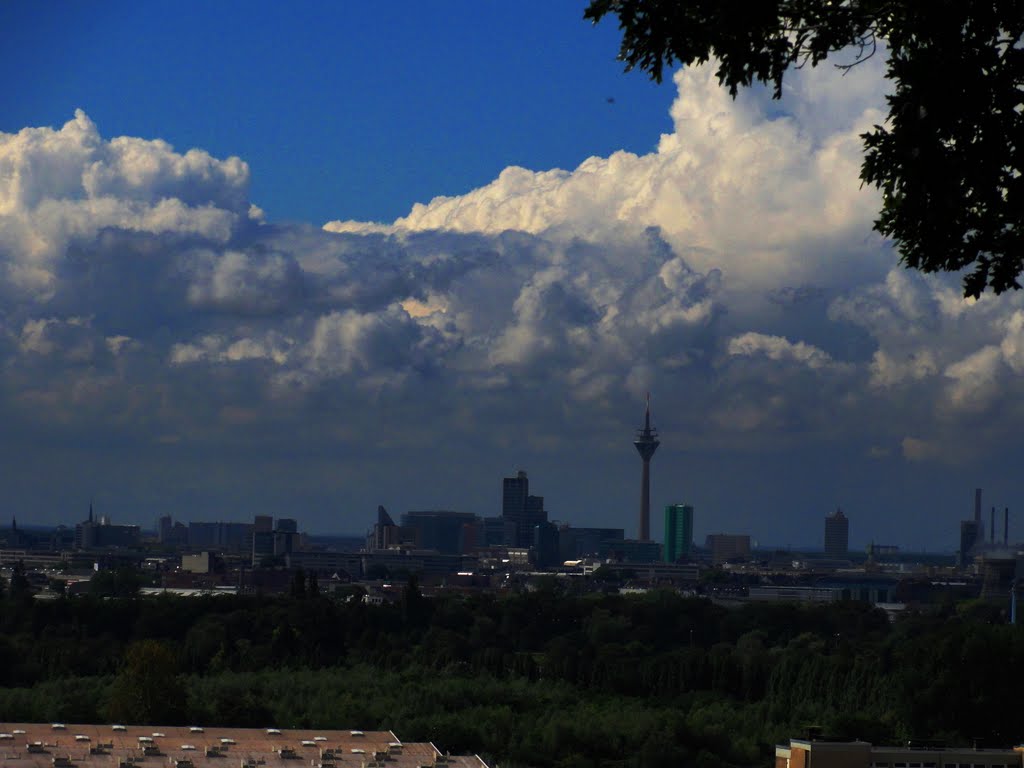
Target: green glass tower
{"type": "Point", "coordinates": [678, 531]}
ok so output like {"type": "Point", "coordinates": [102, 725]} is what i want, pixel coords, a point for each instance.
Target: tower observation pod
{"type": "Point", "coordinates": [646, 444]}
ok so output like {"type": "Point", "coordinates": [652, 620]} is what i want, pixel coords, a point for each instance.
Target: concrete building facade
{"type": "Point", "coordinates": [518, 507]}
{"type": "Point", "coordinates": [802, 753]}
{"type": "Point", "coordinates": [837, 534]}
{"type": "Point", "coordinates": [728, 546]}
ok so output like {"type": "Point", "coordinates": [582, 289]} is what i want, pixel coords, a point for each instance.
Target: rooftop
{"type": "Point", "coordinates": [57, 744]}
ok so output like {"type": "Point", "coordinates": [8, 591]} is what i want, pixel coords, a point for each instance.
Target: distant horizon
{"type": "Point", "coordinates": [389, 254]}
{"type": "Point", "coordinates": [755, 545]}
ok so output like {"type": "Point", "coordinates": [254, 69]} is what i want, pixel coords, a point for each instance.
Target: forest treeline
{"type": "Point", "coordinates": [538, 678]}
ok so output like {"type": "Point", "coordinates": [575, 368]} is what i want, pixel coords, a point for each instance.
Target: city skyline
{"type": "Point", "coordinates": [353, 257]}
{"type": "Point", "coordinates": [697, 534]}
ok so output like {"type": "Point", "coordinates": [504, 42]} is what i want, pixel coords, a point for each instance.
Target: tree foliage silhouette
{"type": "Point", "coordinates": [950, 157]}
{"type": "Point", "coordinates": [147, 688]}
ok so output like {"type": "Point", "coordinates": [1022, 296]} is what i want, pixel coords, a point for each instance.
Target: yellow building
{"type": "Point", "coordinates": [806, 753]}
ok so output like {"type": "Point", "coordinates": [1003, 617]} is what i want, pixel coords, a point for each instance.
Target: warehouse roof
{"type": "Point", "coordinates": [135, 746]}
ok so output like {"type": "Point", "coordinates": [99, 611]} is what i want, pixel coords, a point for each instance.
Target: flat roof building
{"type": "Point", "coordinates": [837, 534]}
{"type": "Point", "coordinates": [728, 546]}
{"type": "Point", "coordinates": [34, 745]}
{"type": "Point", "coordinates": [801, 753]}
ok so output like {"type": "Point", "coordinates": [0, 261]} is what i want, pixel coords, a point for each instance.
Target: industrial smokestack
{"type": "Point", "coordinates": [977, 505]}
{"type": "Point", "coordinates": [1006, 526]}
{"type": "Point", "coordinates": [992, 527]}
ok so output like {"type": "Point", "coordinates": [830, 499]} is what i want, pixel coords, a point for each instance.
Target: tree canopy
{"type": "Point", "coordinates": [950, 157]}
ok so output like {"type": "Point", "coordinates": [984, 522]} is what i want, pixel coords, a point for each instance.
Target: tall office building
{"type": "Point", "coordinates": [165, 529]}
{"type": "Point", "coordinates": [726, 547]}
{"type": "Point", "coordinates": [970, 537]}
{"type": "Point", "coordinates": [545, 545]}
{"type": "Point", "coordinates": [495, 532]}
{"type": "Point", "coordinates": [646, 444]}
{"type": "Point", "coordinates": [442, 530]}
{"type": "Point", "coordinates": [103, 534]}
{"type": "Point", "coordinates": [977, 514]}
{"type": "Point", "coordinates": [972, 533]}
{"type": "Point", "coordinates": [385, 532]}
{"type": "Point", "coordinates": [262, 538]}
{"type": "Point", "coordinates": [526, 512]}
{"type": "Point", "coordinates": [837, 534]}
{"type": "Point", "coordinates": [286, 536]}
{"type": "Point", "coordinates": [678, 531]}
{"type": "Point", "coordinates": [575, 543]}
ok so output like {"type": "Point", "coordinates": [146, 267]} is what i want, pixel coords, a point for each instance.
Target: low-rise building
{"type": "Point", "coordinates": [35, 745]}
{"type": "Point", "coordinates": [802, 753]}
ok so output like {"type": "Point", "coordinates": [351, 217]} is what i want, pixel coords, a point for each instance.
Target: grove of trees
{"type": "Point", "coordinates": [539, 678]}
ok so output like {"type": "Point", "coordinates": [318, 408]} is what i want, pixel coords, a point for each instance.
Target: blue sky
{"type": "Point", "coordinates": [343, 110]}
{"type": "Point", "coordinates": [303, 259]}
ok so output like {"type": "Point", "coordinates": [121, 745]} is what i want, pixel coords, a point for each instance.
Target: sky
{"type": "Point", "coordinates": [304, 259]}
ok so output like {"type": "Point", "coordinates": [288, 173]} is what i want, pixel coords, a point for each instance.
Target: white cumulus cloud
{"type": "Point", "coordinates": [731, 271]}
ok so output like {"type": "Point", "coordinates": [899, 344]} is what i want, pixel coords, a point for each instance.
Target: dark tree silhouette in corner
{"type": "Point", "coordinates": [949, 159]}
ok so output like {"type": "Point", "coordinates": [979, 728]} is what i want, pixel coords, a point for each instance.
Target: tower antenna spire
{"type": "Point", "coordinates": [646, 444]}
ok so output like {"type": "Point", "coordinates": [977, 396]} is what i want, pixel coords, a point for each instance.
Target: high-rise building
{"type": "Point", "coordinates": [970, 537]}
{"type": "Point", "coordinates": [726, 547]}
{"type": "Point", "coordinates": [977, 515]}
{"type": "Point", "coordinates": [165, 529]}
{"type": "Point", "coordinates": [972, 533]}
{"type": "Point", "coordinates": [678, 531]}
{"type": "Point", "coordinates": [545, 545]}
{"type": "Point", "coordinates": [522, 509]}
{"type": "Point", "coordinates": [837, 534]}
{"type": "Point", "coordinates": [441, 530]}
{"type": "Point", "coordinates": [646, 444]}
{"type": "Point", "coordinates": [385, 532]}
{"type": "Point", "coordinates": [575, 543]}
{"type": "Point", "coordinates": [220, 536]}
{"type": "Point", "coordinates": [495, 532]}
{"type": "Point", "coordinates": [634, 551]}
{"type": "Point", "coordinates": [286, 525]}
{"type": "Point", "coordinates": [105, 535]}
{"type": "Point", "coordinates": [262, 538]}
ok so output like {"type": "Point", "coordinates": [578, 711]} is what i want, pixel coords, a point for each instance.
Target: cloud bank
{"type": "Point", "coordinates": [149, 315]}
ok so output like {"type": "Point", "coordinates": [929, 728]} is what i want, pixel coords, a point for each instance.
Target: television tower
{"type": "Point", "coordinates": [646, 444]}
